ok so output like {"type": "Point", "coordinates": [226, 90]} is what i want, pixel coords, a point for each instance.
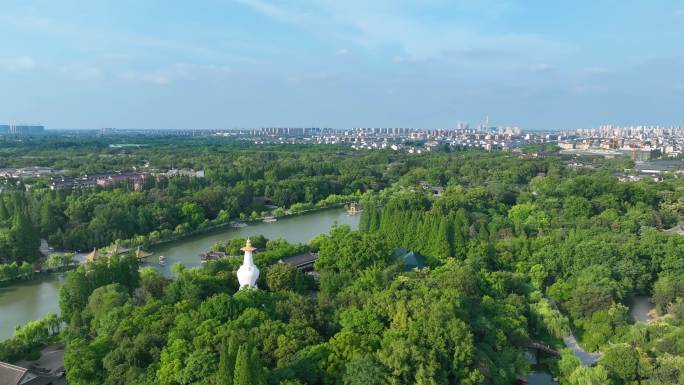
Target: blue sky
{"type": "Point", "coordinates": [347, 63]}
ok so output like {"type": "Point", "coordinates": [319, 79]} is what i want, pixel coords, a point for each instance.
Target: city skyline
{"type": "Point", "coordinates": [257, 63]}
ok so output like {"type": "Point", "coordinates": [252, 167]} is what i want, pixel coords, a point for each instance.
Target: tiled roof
{"type": "Point", "coordinates": [302, 259]}
{"type": "Point", "coordinates": [11, 374]}
{"type": "Point", "coordinates": [675, 230]}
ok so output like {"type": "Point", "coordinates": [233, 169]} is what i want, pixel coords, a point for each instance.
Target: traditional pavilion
{"type": "Point", "coordinates": [248, 273]}
{"type": "Point", "coordinates": [92, 256]}
{"type": "Point", "coordinates": [17, 375]}
{"type": "Point", "coordinates": [115, 250]}
{"type": "Point", "coordinates": [141, 254]}
{"type": "Point", "coordinates": [675, 230]}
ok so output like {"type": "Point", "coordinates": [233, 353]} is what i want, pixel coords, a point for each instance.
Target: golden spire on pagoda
{"type": "Point", "coordinates": [248, 246]}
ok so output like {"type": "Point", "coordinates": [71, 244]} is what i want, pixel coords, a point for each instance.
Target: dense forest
{"type": "Point", "coordinates": [516, 250]}
{"type": "Point", "coordinates": [585, 244]}
{"type": "Point", "coordinates": [240, 180]}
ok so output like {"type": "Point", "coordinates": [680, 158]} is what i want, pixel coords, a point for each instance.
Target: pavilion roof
{"type": "Point", "coordinates": [11, 374]}
{"type": "Point", "coordinates": [675, 230]}
{"type": "Point", "coordinates": [92, 256]}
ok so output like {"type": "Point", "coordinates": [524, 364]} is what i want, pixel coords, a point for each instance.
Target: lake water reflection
{"type": "Point", "coordinates": [540, 378]}
{"type": "Point", "coordinates": [297, 229]}
{"type": "Point", "coordinates": [28, 301]}
{"type": "Point", "coordinates": [32, 300]}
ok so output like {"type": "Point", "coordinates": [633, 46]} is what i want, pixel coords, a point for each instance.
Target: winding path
{"type": "Point", "coordinates": [639, 311]}
{"type": "Point", "coordinates": [586, 358]}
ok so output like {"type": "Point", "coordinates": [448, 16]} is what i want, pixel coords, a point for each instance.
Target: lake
{"type": "Point", "coordinates": [26, 301]}
{"type": "Point", "coordinates": [296, 229]}
{"type": "Point", "coordinates": [540, 378]}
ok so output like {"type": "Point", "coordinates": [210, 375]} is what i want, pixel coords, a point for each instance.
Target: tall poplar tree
{"type": "Point", "coordinates": [4, 213]}
{"type": "Point", "coordinates": [24, 238]}
{"type": "Point", "coordinates": [257, 367]}
{"type": "Point", "coordinates": [442, 238]}
{"type": "Point", "coordinates": [248, 367]}
{"type": "Point", "coordinates": [242, 373]}
{"type": "Point", "coordinates": [227, 361]}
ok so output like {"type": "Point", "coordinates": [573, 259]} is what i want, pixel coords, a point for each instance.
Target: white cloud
{"type": "Point", "coordinates": [154, 77]}
{"type": "Point", "coordinates": [597, 71]}
{"type": "Point", "coordinates": [18, 64]}
{"type": "Point", "coordinates": [343, 52]}
{"type": "Point", "coordinates": [392, 24]}
{"type": "Point", "coordinates": [273, 11]}
{"type": "Point", "coordinates": [40, 23]}
{"type": "Point", "coordinates": [81, 71]}
{"type": "Point", "coordinates": [29, 23]}
{"type": "Point", "coordinates": [317, 77]}
{"type": "Point", "coordinates": [542, 67]}
{"type": "Point", "coordinates": [100, 41]}
{"type": "Point", "coordinates": [179, 71]}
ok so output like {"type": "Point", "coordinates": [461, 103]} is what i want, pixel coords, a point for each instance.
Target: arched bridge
{"type": "Point", "coordinates": [542, 347]}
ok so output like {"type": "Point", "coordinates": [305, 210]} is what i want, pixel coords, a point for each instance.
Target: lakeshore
{"type": "Point", "coordinates": [30, 300]}
{"type": "Point", "coordinates": [79, 257]}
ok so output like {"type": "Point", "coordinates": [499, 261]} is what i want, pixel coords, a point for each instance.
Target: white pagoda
{"type": "Point", "coordinates": [248, 273]}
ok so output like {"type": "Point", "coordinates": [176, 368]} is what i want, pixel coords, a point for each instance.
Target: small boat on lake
{"type": "Point", "coordinates": [270, 219]}
{"type": "Point", "coordinates": [162, 260]}
{"type": "Point", "coordinates": [353, 209]}
{"type": "Point", "coordinates": [237, 224]}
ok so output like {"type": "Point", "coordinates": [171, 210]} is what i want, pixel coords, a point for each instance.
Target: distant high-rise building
{"type": "Point", "coordinates": [26, 129]}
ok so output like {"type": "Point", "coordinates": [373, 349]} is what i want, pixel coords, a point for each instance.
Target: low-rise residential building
{"type": "Point", "coordinates": [26, 172]}
{"type": "Point", "coordinates": [184, 172]}
{"type": "Point", "coordinates": [138, 180]}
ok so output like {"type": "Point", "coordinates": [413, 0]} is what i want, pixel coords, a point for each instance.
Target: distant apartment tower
{"type": "Point", "coordinates": [26, 129]}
